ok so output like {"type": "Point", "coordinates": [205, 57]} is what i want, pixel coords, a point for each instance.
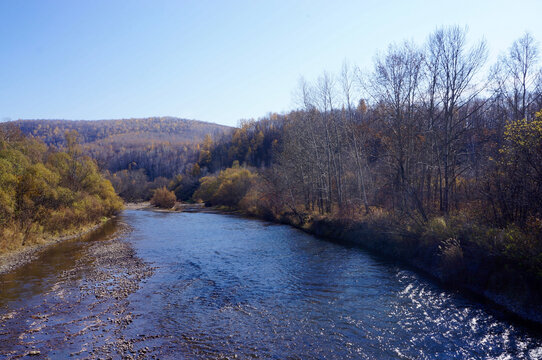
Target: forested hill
{"type": "Point", "coordinates": [126, 131]}
{"type": "Point", "coordinates": [137, 155]}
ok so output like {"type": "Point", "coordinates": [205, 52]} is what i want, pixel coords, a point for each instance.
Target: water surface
{"type": "Point", "coordinates": [226, 286]}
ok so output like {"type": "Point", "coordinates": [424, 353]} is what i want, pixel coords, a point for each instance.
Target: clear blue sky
{"type": "Point", "coordinates": [216, 61]}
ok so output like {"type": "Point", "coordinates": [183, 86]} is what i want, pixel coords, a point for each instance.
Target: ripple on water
{"type": "Point", "coordinates": [226, 285]}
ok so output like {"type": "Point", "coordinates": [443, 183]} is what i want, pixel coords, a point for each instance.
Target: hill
{"type": "Point", "coordinates": [126, 131]}
{"type": "Point", "coordinates": [137, 155]}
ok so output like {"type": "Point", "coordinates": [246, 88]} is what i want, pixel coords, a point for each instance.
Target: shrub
{"type": "Point", "coordinates": [184, 186]}
{"type": "Point", "coordinates": [451, 259]}
{"type": "Point", "coordinates": [163, 198]}
{"type": "Point", "coordinates": [227, 188]}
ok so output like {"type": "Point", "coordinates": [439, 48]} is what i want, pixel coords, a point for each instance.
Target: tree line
{"type": "Point", "coordinates": [431, 156]}
{"type": "Point", "coordinates": [136, 155]}
{"type": "Point", "coordinates": [428, 131]}
{"type": "Point", "coordinates": [46, 192]}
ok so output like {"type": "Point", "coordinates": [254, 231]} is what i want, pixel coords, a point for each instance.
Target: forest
{"type": "Point", "coordinates": [432, 156]}
{"type": "Point", "coordinates": [438, 162]}
{"type": "Point", "coordinates": [45, 192]}
{"type": "Point", "coordinates": [434, 136]}
{"type": "Point", "coordinates": [137, 155]}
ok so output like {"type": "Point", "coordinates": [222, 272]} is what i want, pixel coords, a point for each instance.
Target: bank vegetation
{"type": "Point", "coordinates": [46, 193]}
{"type": "Point", "coordinates": [431, 157]}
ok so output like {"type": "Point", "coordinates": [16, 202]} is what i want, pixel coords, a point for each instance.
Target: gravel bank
{"type": "Point", "coordinates": [85, 310]}
{"type": "Point", "coordinates": [15, 259]}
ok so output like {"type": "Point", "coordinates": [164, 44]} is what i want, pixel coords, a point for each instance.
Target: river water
{"type": "Point", "coordinates": [226, 287]}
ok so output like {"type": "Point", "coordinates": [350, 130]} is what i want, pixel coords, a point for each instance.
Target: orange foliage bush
{"type": "Point", "coordinates": [163, 198]}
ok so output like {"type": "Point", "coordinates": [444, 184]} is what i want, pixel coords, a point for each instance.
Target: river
{"type": "Point", "coordinates": [203, 285]}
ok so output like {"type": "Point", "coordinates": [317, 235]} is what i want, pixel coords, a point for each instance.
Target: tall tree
{"type": "Point", "coordinates": [395, 87]}
{"type": "Point", "coordinates": [454, 70]}
{"type": "Point", "coordinates": [518, 77]}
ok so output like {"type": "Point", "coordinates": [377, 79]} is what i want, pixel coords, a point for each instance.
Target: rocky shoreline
{"type": "Point", "coordinates": [12, 260]}
{"type": "Point", "coordinates": [86, 309]}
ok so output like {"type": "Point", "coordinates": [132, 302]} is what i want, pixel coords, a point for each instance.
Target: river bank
{"type": "Point", "coordinates": [76, 300]}
{"type": "Point", "coordinates": [13, 259]}
{"type": "Point", "coordinates": [459, 261]}
{"type": "Point", "coordinates": [178, 207]}
{"type": "Point", "coordinates": [476, 271]}
{"type": "Point", "coordinates": [204, 285]}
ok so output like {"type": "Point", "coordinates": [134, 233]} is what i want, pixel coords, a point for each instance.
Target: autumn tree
{"type": "Point", "coordinates": [395, 87]}
{"type": "Point", "coordinates": [515, 188]}
{"type": "Point", "coordinates": [226, 188]}
{"type": "Point", "coordinates": [44, 191]}
{"type": "Point", "coordinates": [517, 77]}
{"type": "Point", "coordinates": [163, 198]}
{"type": "Point", "coordinates": [453, 88]}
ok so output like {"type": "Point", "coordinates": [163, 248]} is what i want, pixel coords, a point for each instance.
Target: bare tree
{"type": "Point", "coordinates": [518, 78]}
{"type": "Point", "coordinates": [395, 87]}
{"type": "Point", "coordinates": [355, 137]}
{"type": "Point", "coordinates": [454, 72]}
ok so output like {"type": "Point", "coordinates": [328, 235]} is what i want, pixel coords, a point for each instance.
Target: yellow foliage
{"type": "Point", "coordinates": [227, 188]}
{"type": "Point", "coordinates": [49, 192]}
{"type": "Point", "coordinates": [163, 198]}
{"type": "Point", "coordinates": [523, 134]}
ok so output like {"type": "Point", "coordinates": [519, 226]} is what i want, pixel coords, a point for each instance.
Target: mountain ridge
{"type": "Point", "coordinates": [166, 129]}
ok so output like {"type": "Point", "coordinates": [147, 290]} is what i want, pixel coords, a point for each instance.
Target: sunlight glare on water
{"type": "Point", "coordinates": [227, 285]}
